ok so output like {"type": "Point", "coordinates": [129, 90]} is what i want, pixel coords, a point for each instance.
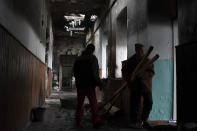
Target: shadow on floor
{"type": "Point", "coordinates": [68, 103]}
{"type": "Point", "coordinates": [165, 128]}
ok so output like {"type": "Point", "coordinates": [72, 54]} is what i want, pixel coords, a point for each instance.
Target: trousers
{"type": "Point", "coordinates": [91, 95]}
{"type": "Point", "coordinates": [140, 113]}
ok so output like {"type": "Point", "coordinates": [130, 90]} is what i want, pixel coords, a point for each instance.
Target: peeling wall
{"type": "Point", "coordinates": [162, 91]}
{"type": "Point", "coordinates": [69, 45]}
{"type": "Point", "coordinates": [115, 39]}
{"type": "Point", "coordinates": [121, 41]}
{"type": "Point", "coordinates": [23, 27]}
{"type": "Point", "coordinates": [98, 48]}
{"type": "Point", "coordinates": [22, 83]}
{"type": "Point", "coordinates": [186, 65]}
{"type": "Point", "coordinates": [104, 43]}
{"type": "Point", "coordinates": [149, 23]}
{"type": "Point", "coordinates": [27, 21]}
{"type": "Point", "coordinates": [187, 21]}
{"type": "Point", "coordinates": [49, 82]}
{"type": "Point", "coordinates": [50, 40]}
{"type": "Point", "coordinates": [160, 35]}
{"type": "Point", "coordinates": [66, 46]}
{"type": "Point", "coordinates": [137, 24]}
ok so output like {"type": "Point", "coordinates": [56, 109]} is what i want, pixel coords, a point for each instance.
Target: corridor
{"type": "Point", "coordinates": [41, 41]}
{"type": "Point", "coordinates": [61, 117]}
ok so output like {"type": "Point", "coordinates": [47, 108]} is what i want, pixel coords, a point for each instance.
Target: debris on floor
{"type": "Point", "coordinates": [60, 116]}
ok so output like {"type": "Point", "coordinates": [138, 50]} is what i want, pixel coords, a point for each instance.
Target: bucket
{"type": "Point", "coordinates": [37, 114]}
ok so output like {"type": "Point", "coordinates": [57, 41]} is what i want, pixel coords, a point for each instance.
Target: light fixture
{"type": "Point", "coordinates": [93, 18]}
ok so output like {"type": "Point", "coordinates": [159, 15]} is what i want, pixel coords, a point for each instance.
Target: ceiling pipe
{"type": "Point", "coordinates": [102, 20]}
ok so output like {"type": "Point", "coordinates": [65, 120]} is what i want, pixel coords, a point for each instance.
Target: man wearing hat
{"type": "Point", "coordinates": [140, 89]}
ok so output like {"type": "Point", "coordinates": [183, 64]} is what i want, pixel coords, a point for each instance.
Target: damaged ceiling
{"type": "Point", "coordinates": [63, 10]}
{"type": "Point", "coordinates": [77, 6]}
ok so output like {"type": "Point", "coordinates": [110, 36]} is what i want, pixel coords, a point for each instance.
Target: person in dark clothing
{"type": "Point", "coordinates": [140, 89]}
{"type": "Point", "coordinates": [86, 73]}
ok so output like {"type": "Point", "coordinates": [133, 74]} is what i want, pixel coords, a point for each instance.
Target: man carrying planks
{"type": "Point", "coordinates": [140, 88]}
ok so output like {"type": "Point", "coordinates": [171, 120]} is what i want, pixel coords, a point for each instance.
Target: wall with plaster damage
{"type": "Point", "coordinates": [50, 40]}
{"type": "Point", "coordinates": [186, 65]}
{"type": "Point", "coordinates": [97, 44]}
{"type": "Point", "coordinates": [160, 35]}
{"type": "Point", "coordinates": [118, 40]}
{"type": "Point", "coordinates": [149, 27]}
{"type": "Point", "coordinates": [121, 38]}
{"type": "Point", "coordinates": [65, 46]}
{"type": "Point", "coordinates": [23, 72]}
{"type": "Point", "coordinates": [187, 21]}
{"type": "Point", "coordinates": [150, 23]}
{"type": "Point", "coordinates": [112, 48]}
{"type": "Point", "coordinates": [101, 40]}
{"type": "Point", "coordinates": [22, 83]}
{"type": "Point", "coordinates": [104, 44]}
{"type": "Point", "coordinates": [27, 21]}
{"type": "Point", "coordinates": [137, 24]}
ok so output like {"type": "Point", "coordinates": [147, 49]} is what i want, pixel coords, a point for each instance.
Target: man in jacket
{"type": "Point", "coordinates": [86, 73]}
{"type": "Point", "coordinates": [140, 88]}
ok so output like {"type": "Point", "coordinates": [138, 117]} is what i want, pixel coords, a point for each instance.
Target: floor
{"type": "Point", "coordinates": [59, 116]}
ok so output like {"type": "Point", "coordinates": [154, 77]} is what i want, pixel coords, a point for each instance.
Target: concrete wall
{"type": "Point", "coordinates": [69, 45]}
{"type": "Point", "coordinates": [51, 40]}
{"type": "Point", "coordinates": [148, 22]}
{"type": "Point", "coordinates": [137, 24]}
{"type": "Point", "coordinates": [104, 43]}
{"type": "Point", "coordinates": [97, 43]}
{"type": "Point", "coordinates": [23, 71]}
{"type": "Point", "coordinates": [26, 20]}
{"type": "Point", "coordinates": [118, 39]}
{"type": "Point", "coordinates": [111, 61]}
{"type": "Point", "coordinates": [187, 21]}
{"type": "Point", "coordinates": [121, 41]}
{"type": "Point", "coordinates": [160, 35]}
{"type": "Point", "coordinates": [22, 83]}
{"type": "Point", "coordinates": [65, 46]}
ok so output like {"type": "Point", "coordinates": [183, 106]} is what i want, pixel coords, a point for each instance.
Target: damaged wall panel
{"type": "Point", "coordinates": [149, 27]}
{"type": "Point", "coordinates": [160, 35]}
{"type": "Point", "coordinates": [187, 21]}
{"type": "Point", "coordinates": [27, 21]}
{"type": "Point", "coordinates": [49, 85]}
{"type": "Point", "coordinates": [22, 83]}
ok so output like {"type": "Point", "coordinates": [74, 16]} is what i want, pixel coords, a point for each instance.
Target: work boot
{"type": "Point", "coordinates": [147, 126]}
{"type": "Point", "coordinates": [136, 125]}
{"type": "Point", "coordinates": [79, 125]}
{"type": "Point", "coordinates": [97, 125]}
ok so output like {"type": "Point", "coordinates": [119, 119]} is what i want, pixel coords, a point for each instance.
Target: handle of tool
{"type": "Point", "coordinates": [113, 102]}
{"type": "Point", "coordinates": [138, 72]}
{"type": "Point", "coordinates": [114, 95]}
{"type": "Point", "coordinates": [132, 75]}
{"type": "Point", "coordinates": [148, 64]}
{"type": "Point", "coordinates": [143, 69]}
{"type": "Point", "coordinates": [135, 70]}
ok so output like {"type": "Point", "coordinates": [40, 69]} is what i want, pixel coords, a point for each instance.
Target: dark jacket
{"type": "Point", "coordinates": [145, 79]}
{"type": "Point", "coordinates": [86, 71]}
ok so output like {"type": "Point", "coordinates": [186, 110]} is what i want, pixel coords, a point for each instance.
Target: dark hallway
{"type": "Point", "coordinates": [41, 40]}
